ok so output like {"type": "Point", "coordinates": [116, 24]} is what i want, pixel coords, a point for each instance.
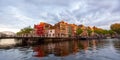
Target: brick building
{"type": "Point", "coordinates": [42, 29]}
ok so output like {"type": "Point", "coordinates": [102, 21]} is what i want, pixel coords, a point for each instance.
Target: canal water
{"type": "Point", "coordinates": [106, 49]}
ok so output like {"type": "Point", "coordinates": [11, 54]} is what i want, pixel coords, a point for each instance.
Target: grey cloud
{"type": "Point", "coordinates": [22, 13]}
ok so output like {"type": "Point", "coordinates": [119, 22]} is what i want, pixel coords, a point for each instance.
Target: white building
{"type": "Point", "coordinates": [51, 33]}
{"type": "Point", "coordinates": [8, 33]}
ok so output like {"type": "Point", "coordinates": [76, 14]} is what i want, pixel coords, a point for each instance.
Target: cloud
{"type": "Point", "coordinates": [22, 13]}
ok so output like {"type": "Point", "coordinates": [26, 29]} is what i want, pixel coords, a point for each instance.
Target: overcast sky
{"type": "Point", "coordinates": [16, 14]}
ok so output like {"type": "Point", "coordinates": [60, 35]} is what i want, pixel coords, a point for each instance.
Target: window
{"type": "Point", "coordinates": [49, 35]}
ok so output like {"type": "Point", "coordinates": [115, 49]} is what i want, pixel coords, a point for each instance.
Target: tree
{"type": "Point", "coordinates": [25, 30]}
{"type": "Point", "coordinates": [89, 31]}
{"type": "Point", "coordinates": [79, 31]}
{"type": "Point", "coordinates": [111, 32]}
{"type": "Point", "coordinates": [98, 31]}
{"type": "Point", "coordinates": [104, 32]}
{"type": "Point", "coordinates": [101, 31]}
{"type": "Point", "coordinates": [115, 27]}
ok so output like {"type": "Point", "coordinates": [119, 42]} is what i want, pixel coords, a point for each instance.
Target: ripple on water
{"type": "Point", "coordinates": [103, 50]}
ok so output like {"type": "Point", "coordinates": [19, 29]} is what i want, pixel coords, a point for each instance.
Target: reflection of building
{"type": "Point", "coordinates": [85, 45]}
{"type": "Point", "coordinates": [58, 49]}
{"type": "Point", "coordinates": [64, 48]}
{"type": "Point", "coordinates": [75, 46]}
{"type": "Point", "coordinates": [94, 45]}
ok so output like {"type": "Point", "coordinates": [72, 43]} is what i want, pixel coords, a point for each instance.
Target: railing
{"type": "Point", "coordinates": [40, 37]}
{"type": "Point", "coordinates": [33, 36]}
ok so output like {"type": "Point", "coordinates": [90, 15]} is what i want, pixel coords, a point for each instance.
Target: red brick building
{"type": "Point", "coordinates": [39, 29]}
{"type": "Point", "coordinates": [42, 29]}
{"type": "Point", "coordinates": [61, 29]}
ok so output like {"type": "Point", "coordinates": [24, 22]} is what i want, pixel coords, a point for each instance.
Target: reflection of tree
{"type": "Point", "coordinates": [117, 45]}
{"type": "Point", "coordinates": [102, 43]}
{"type": "Point", "coordinates": [39, 51]}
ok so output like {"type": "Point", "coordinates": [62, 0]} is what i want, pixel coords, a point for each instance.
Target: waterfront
{"type": "Point", "coordinates": [105, 49]}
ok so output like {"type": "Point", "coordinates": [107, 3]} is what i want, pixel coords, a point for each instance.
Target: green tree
{"type": "Point", "coordinates": [111, 32]}
{"type": "Point", "coordinates": [25, 30]}
{"type": "Point", "coordinates": [104, 32]}
{"type": "Point", "coordinates": [115, 27]}
{"type": "Point", "coordinates": [98, 31]}
{"type": "Point", "coordinates": [89, 31]}
{"type": "Point", "coordinates": [79, 31]}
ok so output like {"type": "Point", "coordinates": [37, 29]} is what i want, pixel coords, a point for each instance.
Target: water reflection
{"type": "Point", "coordinates": [94, 42]}
{"type": "Point", "coordinates": [74, 49]}
{"type": "Point", "coordinates": [58, 49]}
{"type": "Point", "coordinates": [64, 48]}
{"type": "Point", "coordinates": [7, 43]}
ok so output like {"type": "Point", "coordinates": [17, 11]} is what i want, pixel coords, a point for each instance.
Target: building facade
{"type": "Point", "coordinates": [61, 29]}
{"type": "Point", "coordinates": [42, 29]}
{"type": "Point", "coordinates": [51, 33]}
{"type": "Point", "coordinates": [74, 29]}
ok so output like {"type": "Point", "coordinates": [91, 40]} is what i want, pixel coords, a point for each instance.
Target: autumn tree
{"type": "Point", "coordinates": [115, 27]}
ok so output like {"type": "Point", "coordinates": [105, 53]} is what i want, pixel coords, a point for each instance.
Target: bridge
{"type": "Point", "coordinates": [25, 37]}
{"type": "Point", "coordinates": [53, 38]}
{"type": "Point", "coordinates": [41, 39]}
